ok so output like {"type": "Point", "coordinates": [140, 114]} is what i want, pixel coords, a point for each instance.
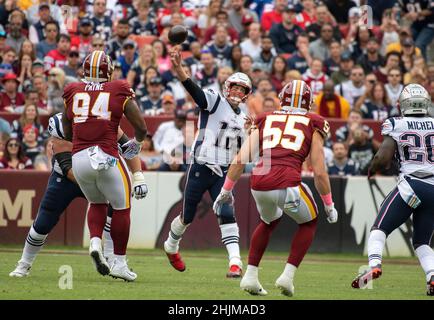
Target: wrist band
{"type": "Point", "coordinates": [327, 199]}
{"type": "Point", "coordinates": [229, 184]}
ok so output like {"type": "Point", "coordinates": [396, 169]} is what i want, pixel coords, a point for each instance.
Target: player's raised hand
{"type": "Point", "coordinates": [332, 214]}
{"type": "Point", "coordinates": [249, 125]}
{"type": "Point", "coordinates": [224, 197]}
{"type": "Point", "coordinates": [175, 56]}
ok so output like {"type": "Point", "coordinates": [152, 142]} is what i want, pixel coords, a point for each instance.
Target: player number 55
{"type": "Point", "coordinates": [290, 138]}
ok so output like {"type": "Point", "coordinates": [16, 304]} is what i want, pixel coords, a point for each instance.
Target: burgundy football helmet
{"type": "Point", "coordinates": [296, 94]}
{"type": "Point", "coordinates": [97, 67]}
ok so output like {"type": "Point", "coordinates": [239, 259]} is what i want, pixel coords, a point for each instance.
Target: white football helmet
{"type": "Point", "coordinates": [241, 79]}
{"type": "Point", "coordinates": [414, 99]}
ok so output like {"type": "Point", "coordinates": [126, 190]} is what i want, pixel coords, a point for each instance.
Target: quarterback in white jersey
{"type": "Point", "coordinates": [221, 134]}
{"type": "Point", "coordinates": [412, 138]}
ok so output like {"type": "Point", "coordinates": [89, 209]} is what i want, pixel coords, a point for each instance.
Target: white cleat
{"type": "Point", "coordinates": [98, 259]}
{"type": "Point", "coordinates": [286, 286]}
{"type": "Point", "coordinates": [120, 270]}
{"type": "Point", "coordinates": [22, 270]}
{"type": "Point", "coordinates": [252, 286]}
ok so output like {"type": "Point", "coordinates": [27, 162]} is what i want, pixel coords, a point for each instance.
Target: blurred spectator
{"type": "Point", "coordinates": [389, 28]}
{"type": "Point", "coordinates": [308, 15]}
{"type": "Point", "coordinates": [331, 105]}
{"type": "Point", "coordinates": [270, 18]}
{"type": "Point", "coordinates": [73, 64]}
{"type": "Point", "coordinates": [393, 60]}
{"type": "Point", "coordinates": [300, 59]}
{"type": "Point", "coordinates": [98, 43]}
{"type": "Point", "coordinates": [237, 13]}
{"type": "Point", "coordinates": [31, 146]}
{"type": "Point", "coordinates": [418, 71]}
{"type": "Point", "coordinates": [256, 101]}
{"type": "Point", "coordinates": [10, 99]}
{"type": "Point", "coordinates": [404, 34]}
{"type": "Point", "coordinates": [36, 31]}
{"type": "Point", "coordinates": [144, 24]}
{"type": "Point", "coordinates": [332, 64]}
{"type": "Point", "coordinates": [246, 64]}
{"type": "Point", "coordinates": [15, 37]}
{"type": "Point", "coordinates": [358, 45]}
{"type": "Point", "coordinates": [394, 88]}
{"type": "Point", "coordinates": [252, 44]}
{"type": "Point", "coordinates": [161, 55]}
{"type": "Point", "coordinates": [169, 134]}
{"type": "Point", "coordinates": [320, 48]}
{"type": "Point", "coordinates": [55, 12]}
{"type": "Point", "coordinates": [265, 59]}
{"type": "Point", "coordinates": [284, 34]}
{"type": "Point", "coordinates": [175, 86]}
{"type": "Point", "coordinates": [209, 16]}
{"type": "Point", "coordinates": [24, 70]}
{"type": "Point", "coordinates": [38, 67]}
{"type": "Point", "coordinates": [421, 16]}
{"type": "Point", "coordinates": [207, 72]}
{"type": "Point", "coordinates": [371, 60]}
{"type": "Point", "coordinates": [340, 9]}
{"type": "Point", "coordinates": [128, 56]}
{"type": "Point", "coordinates": [346, 132]}
{"type": "Point", "coordinates": [142, 89]}
{"type": "Point", "coordinates": [83, 41]}
{"type": "Point", "coordinates": [8, 57]}
{"type": "Point", "coordinates": [29, 116]}
{"type": "Point", "coordinates": [235, 60]}
{"type": "Point", "coordinates": [361, 150]}
{"type": "Point", "coordinates": [151, 103]}
{"type": "Point", "coordinates": [174, 6]}
{"type": "Point", "coordinates": [149, 156]}
{"type": "Point", "coordinates": [291, 75]}
{"type": "Point", "coordinates": [341, 165]}
{"type": "Point", "coordinates": [269, 104]}
{"type": "Point", "coordinates": [278, 70]}
{"type": "Point", "coordinates": [377, 104]}
{"type": "Point", "coordinates": [220, 47]}
{"type": "Point", "coordinates": [315, 77]}
{"type": "Point", "coordinates": [222, 19]}
{"type": "Point", "coordinates": [59, 56]}
{"type": "Point", "coordinates": [102, 23]}
{"type": "Point", "coordinates": [146, 59]}
{"type": "Point", "coordinates": [194, 60]}
{"type": "Point", "coordinates": [222, 75]}
{"type": "Point", "coordinates": [13, 156]}
{"type": "Point", "coordinates": [43, 161]}
{"type": "Point", "coordinates": [32, 98]}
{"type": "Point", "coordinates": [323, 16]}
{"type": "Point", "coordinates": [5, 127]}
{"type": "Point", "coordinates": [178, 19]}
{"type": "Point", "coordinates": [117, 71]}
{"type": "Point", "coordinates": [4, 136]}
{"type": "Point", "coordinates": [40, 85]}
{"type": "Point", "coordinates": [354, 88]}
{"type": "Point", "coordinates": [370, 81]}
{"type": "Point", "coordinates": [56, 83]}
{"type": "Point", "coordinates": [114, 45]}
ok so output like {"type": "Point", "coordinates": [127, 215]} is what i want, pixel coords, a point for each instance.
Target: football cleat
{"type": "Point", "coordinates": [252, 286]}
{"type": "Point", "coordinates": [176, 261]}
{"type": "Point", "coordinates": [363, 279]}
{"type": "Point", "coordinates": [285, 285]}
{"type": "Point", "coordinates": [120, 270]}
{"type": "Point", "coordinates": [22, 270]}
{"type": "Point", "coordinates": [99, 261]}
{"type": "Point", "coordinates": [430, 287]}
{"type": "Point", "coordinates": [235, 271]}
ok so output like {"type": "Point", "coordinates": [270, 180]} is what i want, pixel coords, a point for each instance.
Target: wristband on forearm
{"type": "Point", "coordinates": [229, 184]}
{"type": "Point", "coordinates": [327, 199]}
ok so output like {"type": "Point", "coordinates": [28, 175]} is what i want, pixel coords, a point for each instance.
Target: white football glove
{"type": "Point", "coordinates": [332, 214]}
{"type": "Point", "coordinates": [224, 197]}
{"type": "Point", "coordinates": [131, 148]}
{"type": "Point", "coordinates": [140, 189]}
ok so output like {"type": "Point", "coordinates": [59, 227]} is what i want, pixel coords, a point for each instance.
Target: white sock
{"type": "Point", "coordinates": [426, 258]}
{"type": "Point", "coordinates": [120, 258]}
{"type": "Point", "coordinates": [177, 229]}
{"type": "Point", "coordinates": [32, 246]}
{"type": "Point", "coordinates": [108, 241]}
{"type": "Point", "coordinates": [231, 239]}
{"type": "Point", "coordinates": [95, 243]}
{"type": "Point", "coordinates": [252, 271]}
{"type": "Point", "coordinates": [290, 270]}
{"type": "Point", "coordinates": [376, 242]}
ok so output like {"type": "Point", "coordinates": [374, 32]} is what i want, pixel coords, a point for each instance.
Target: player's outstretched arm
{"type": "Point", "coordinates": [133, 115]}
{"type": "Point", "coordinates": [321, 177]}
{"type": "Point", "coordinates": [62, 153]}
{"type": "Point", "coordinates": [383, 158]}
{"type": "Point", "coordinates": [193, 89]}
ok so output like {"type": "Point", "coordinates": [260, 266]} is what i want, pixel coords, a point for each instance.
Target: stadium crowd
{"type": "Point", "coordinates": [355, 61]}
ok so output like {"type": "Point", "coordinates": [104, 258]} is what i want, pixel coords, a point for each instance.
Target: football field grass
{"type": "Point", "coordinates": [319, 277]}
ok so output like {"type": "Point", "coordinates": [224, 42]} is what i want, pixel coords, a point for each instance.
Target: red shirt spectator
{"type": "Point", "coordinates": [275, 16]}
{"type": "Point", "coordinates": [58, 57]}
{"type": "Point", "coordinates": [10, 99]}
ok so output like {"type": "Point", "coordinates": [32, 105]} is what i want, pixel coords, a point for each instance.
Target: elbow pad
{"type": "Point", "coordinates": [65, 161]}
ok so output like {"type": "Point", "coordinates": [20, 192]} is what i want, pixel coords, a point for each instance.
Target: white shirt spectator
{"type": "Point", "coordinates": [251, 49]}
{"type": "Point", "coordinates": [349, 91]}
{"type": "Point", "coordinates": [167, 137]}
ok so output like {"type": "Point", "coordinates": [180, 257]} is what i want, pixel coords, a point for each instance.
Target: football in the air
{"type": "Point", "coordinates": [177, 34]}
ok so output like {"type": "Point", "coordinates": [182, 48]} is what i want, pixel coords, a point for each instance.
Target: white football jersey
{"type": "Point", "coordinates": [221, 131]}
{"type": "Point", "coordinates": [414, 137]}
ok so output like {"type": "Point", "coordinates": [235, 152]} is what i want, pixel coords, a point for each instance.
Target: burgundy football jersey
{"type": "Point", "coordinates": [96, 110]}
{"type": "Point", "coordinates": [285, 137]}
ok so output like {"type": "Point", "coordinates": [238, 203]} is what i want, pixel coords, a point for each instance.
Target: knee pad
{"type": "Point", "coordinates": [227, 215]}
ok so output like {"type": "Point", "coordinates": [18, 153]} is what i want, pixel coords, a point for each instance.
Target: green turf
{"type": "Point", "coordinates": [319, 277]}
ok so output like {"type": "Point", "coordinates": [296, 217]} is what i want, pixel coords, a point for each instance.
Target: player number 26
{"type": "Point", "coordinates": [290, 138]}
{"type": "Point", "coordinates": [81, 106]}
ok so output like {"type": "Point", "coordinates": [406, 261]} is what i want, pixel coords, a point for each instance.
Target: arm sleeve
{"type": "Point", "coordinates": [196, 93]}
{"type": "Point", "coordinates": [321, 125]}
{"type": "Point", "coordinates": [387, 127]}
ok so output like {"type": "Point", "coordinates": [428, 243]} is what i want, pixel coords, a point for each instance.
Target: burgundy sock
{"type": "Point", "coordinates": [120, 230]}
{"type": "Point", "coordinates": [259, 241]}
{"type": "Point", "coordinates": [96, 217]}
{"type": "Point", "coordinates": [302, 241]}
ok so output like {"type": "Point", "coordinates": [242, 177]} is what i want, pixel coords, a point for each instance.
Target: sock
{"type": "Point", "coordinates": [108, 241]}
{"type": "Point", "coordinates": [376, 242]}
{"type": "Point", "coordinates": [425, 255]}
{"type": "Point", "coordinates": [120, 258]}
{"type": "Point", "coordinates": [95, 243]}
{"type": "Point", "coordinates": [32, 246]}
{"type": "Point", "coordinates": [301, 242]}
{"type": "Point", "coordinates": [251, 271]}
{"type": "Point", "coordinates": [231, 239]}
{"type": "Point", "coordinates": [259, 241]}
{"type": "Point", "coordinates": [177, 229]}
{"type": "Point", "coordinates": [120, 230]}
{"type": "Point", "coordinates": [290, 270]}
{"type": "Point", "coordinates": [96, 218]}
